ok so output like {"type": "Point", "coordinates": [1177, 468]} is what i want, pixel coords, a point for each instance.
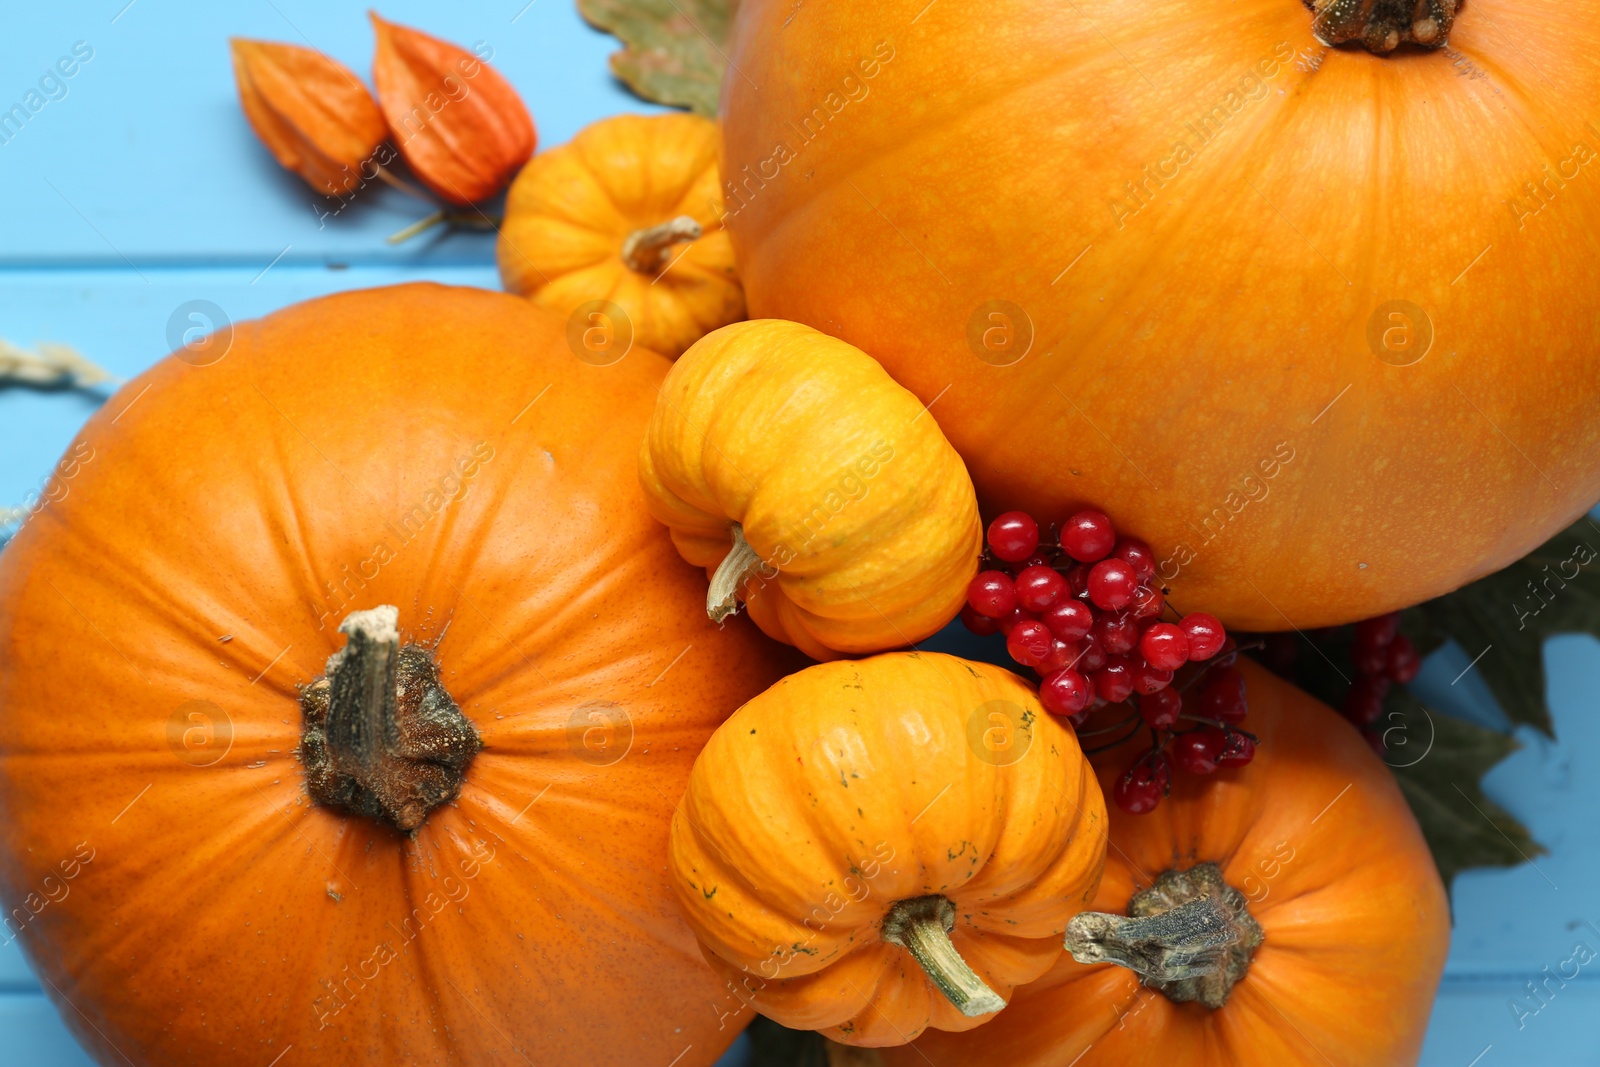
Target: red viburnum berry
{"type": "Point", "coordinates": [1112, 584]}
{"type": "Point", "coordinates": [1164, 646]}
{"type": "Point", "coordinates": [1138, 555]}
{"type": "Point", "coordinates": [1370, 661]}
{"type": "Point", "coordinates": [1030, 642]}
{"type": "Point", "coordinates": [1088, 536]}
{"type": "Point", "coordinates": [1363, 704]}
{"type": "Point", "coordinates": [1009, 622]}
{"type": "Point", "coordinates": [1147, 679]}
{"type": "Point", "coordinates": [1148, 603]}
{"type": "Point", "coordinates": [1197, 750]}
{"type": "Point", "coordinates": [992, 593]}
{"type": "Point", "coordinates": [1143, 785]}
{"type": "Point", "coordinates": [1402, 663]}
{"type": "Point", "coordinates": [1013, 536]}
{"type": "Point", "coordinates": [1205, 633]}
{"type": "Point", "coordinates": [1160, 710]}
{"type": "Point", "coordinates": [1113, 683]}
{"type": "Point", "coordinates": [1038, 587]}
{"type": "Point", "coordinates": [979, 624]}
{"type": "Point", "coordinates": [1223, 697]}
{"type": "Point", "coordinates": [1065, 692]}
{"type": "Point", "coordinates": [1063, 654]}
{"type": "Point", "coordinates": [1378, 632]}
{"type": "Point", "coordinates": [1069, 618]}
{"type": "Point", "coordinates": [1237, 751]}
{"type": "Point", "coordinates": [1117, 634]}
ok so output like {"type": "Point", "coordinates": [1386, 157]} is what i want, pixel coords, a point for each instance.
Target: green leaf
{"type": "Point", "coordinates": [1438, 762]}
{"type": "Point", "coordinates": [1505, 617]}
{"type": "Point", "coordinates": [674, 48]}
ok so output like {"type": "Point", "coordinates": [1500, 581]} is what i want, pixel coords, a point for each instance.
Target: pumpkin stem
{"type": "Point", "coordinates": [922, 925]}
{"type": "Point", "coordinates": [382, 736]}
{"type": "Point", "coordinates": [645, 249]}
{"type": "Point", "coordinates": [1190, 935]}
{"type": "Point", "coordinates": [740, 565]}
{"type": "Point", "coordinates": [1381, 26]}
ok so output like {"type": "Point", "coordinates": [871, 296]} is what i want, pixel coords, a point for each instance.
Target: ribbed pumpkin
{"type": "Point", "coordinates": [627, 215]}
{"type": "Point", "coordinates": [874, 847]}
{"type": "Point", "coordinates": [1320, 323]}
{"type": "Point", "coordinates": [274, 860]}
{"type": "Point", "coordinates": [810, 485]}
{"type": "Point", "coordinates": [1338, 924]}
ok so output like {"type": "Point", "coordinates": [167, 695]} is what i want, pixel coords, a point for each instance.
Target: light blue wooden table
{"type": "Point", "coordinates": [139, 188]}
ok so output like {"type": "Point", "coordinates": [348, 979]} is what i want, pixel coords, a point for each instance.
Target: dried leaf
{"type": "Point", "coordinates": [312, 112]}
{"type": "Point", "coordinates": [1503, 619]}
{"type": "Point", "coordinates": [675, 49]}
{"type": "Point", "coordinates": [1439, 761]}
{"type": "Point", "coordinates": [461, 127]}
{"type": "Point", "coordinates": [52, 367]}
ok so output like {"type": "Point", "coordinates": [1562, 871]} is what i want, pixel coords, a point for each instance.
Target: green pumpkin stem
{"type": "Point", "coordinates": [922, 925]}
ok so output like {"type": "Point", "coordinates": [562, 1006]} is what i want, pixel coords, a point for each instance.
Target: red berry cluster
{"type": "Point", "coordinates": [1382, 655]}
{"type": "Point", "coordinates": [1079, 606]}
{"type": "Point", "coordinates": [1379, 652]}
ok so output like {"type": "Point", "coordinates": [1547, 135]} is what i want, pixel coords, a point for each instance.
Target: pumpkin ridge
{"type": "Point", "coordinates": [881, 152]}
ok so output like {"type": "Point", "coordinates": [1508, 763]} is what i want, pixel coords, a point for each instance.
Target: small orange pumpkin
{"type": "Point", "coordinates": [626, 216]}
{"type": "Point", "coordinates": [874, 847]}
{"type": "Point", "coordinates": [809, 484]}
{"type": "Point", "coordinates": [1322, 914]}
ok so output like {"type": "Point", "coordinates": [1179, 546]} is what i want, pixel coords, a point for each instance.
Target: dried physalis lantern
{"type": "Point", "coordinates": [311, 112]}
{"type": "Point", "coordinates": [461, 127]}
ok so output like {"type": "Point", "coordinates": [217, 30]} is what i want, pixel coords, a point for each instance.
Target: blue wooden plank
{"type": "Point", "coordinates": [32, 1035]}
{"type": "Point", "coordinates": [147, 158]}
{"type": "Point", "coordinates": [141, 189]}
{"type": "Point", "coordinates": [126, 322]}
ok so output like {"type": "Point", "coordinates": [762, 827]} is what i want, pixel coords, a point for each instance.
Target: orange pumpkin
{"type": "Point", "coordinates": [619, 227]}
{"type": "Point", "coordinates": [211, 855]}
{"type": "Point", "coordinates": [871, 848]}
{"type": "Point", "coordinates": [1325, 912]}
{"type": "Point", "coordinates": [811, 486]}
{"type": "Point", "coordinates": [1320, 323]}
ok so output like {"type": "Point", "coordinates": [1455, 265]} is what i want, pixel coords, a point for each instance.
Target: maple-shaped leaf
{"type": "Point", "coordinates": [674, 50]}
{"type": "Point", "coordinates": [1502, 620]}
{"type": "Point", "coordinates": [1438, 762]}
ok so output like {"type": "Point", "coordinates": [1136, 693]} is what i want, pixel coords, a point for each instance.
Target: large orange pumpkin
{"type": "Point", "coordinates": [207, 862]}
{"type": "Point", "coordinates": [1337, 922]}
{"type": "Point", "coordinates": [1320, 324]}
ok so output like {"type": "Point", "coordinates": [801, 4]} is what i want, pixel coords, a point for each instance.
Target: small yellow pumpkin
{"type": "Point", "coordinates": [626, 217]}
{"type": "Point", "coordinates": [873, 847]}
{"type": "Point", "coordinates": [793, 468]}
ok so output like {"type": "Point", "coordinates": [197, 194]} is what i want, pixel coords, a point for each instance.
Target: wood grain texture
{"type": "Point", "coordinates": [142, 189]}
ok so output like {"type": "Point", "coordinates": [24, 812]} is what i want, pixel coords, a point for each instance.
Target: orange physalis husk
{"type": "Point", "coordinates": [311, 112]}
{"type": "Point", "coordinates": [460, 125]}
